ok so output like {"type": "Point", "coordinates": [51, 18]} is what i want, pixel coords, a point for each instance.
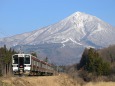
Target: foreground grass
{"type": "Point", "coordinates": [100, 84]}
{"type": "Point", "coordinates": [60, 80]}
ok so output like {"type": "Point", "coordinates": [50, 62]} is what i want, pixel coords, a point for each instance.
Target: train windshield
{"type": "Point", "coordinates": [15, 59]}
{"type": "Point", "coordinates": [27, 59]}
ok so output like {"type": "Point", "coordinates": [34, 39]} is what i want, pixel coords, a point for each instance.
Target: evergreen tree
{"type": "Point", "coordinates": [93, 63]}
{"type": "Point", "coordinates": [46, 59]}
{"type": "Point", "coordinates": [34, 54]}
{"type": "Point", "coordinates": [83, 59]}
{"type": "Point", "coordinates": [5, 60]}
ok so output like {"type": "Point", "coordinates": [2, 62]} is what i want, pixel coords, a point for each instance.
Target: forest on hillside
{"type": "Point", "coordinates": [5, 61]}
{"type": "Point", "coordinates": [95, 65]}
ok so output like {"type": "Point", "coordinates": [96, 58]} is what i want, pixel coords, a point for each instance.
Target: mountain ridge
{"type": "Point", "coordinates": [77, 31]}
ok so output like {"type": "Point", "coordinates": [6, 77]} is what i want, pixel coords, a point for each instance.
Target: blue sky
{"type": "Point", "coordinates": [19, 16]}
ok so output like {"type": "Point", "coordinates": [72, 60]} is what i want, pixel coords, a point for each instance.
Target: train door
{"type": "Point", "coordinates": [21, 64]}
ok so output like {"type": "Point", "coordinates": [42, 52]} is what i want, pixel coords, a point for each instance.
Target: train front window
{"type": "Point", "coordinates": [27, 59]}
{"type": "Point", "coordinates": [15, 59]}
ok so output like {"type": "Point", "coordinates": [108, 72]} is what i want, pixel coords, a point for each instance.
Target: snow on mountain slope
{"type": "Point", "coordinates": [79, 28]}
{"type": "Point", "coordinates": [72, 34]}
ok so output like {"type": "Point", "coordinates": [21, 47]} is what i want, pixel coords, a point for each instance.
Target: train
{"type": "Point", "coordinates": [28, 64]}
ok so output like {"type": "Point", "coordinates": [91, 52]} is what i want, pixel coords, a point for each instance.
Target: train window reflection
{"type": "Point", "coordinates": [15, 59]}
{"type": "Point", "coordinates": [27, 59]}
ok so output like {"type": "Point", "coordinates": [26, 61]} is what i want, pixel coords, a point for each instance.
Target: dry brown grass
{"type": "Point", "coordinates": [60, 80]}
{"type": "Point", "coordinates": [100, 84]}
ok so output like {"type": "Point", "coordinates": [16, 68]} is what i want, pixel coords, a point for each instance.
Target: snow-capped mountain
{"type": "Point", "coordinates": [79, 30]}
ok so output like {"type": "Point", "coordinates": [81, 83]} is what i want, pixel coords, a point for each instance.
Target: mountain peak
{"type": "Point", "coordinates": [80, 17]}
{"type": "Point", "coordinates": [78, 13]}
{"type": "Point", "coordinates": [66, 38]}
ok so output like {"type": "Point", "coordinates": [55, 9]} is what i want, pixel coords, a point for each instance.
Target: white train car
{"type": "Point", "coordinates": [30, 65]}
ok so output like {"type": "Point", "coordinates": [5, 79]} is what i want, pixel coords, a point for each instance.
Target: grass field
{"type": "Point", "coordinates": [100, 84]}
{"type": "Point", "coordinates": [59, 80]}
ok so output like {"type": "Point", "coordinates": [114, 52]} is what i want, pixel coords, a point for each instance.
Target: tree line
{"type": "Point", "coordinates": [6, 61]}
{"type": "Point", "coordinates": [95, 63]}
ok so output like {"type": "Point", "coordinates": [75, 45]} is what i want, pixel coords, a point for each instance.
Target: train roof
{"type": "Point", "coordinates": [21, 54]}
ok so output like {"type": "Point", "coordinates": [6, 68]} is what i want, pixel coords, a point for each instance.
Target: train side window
{"type": "Point", "coordinates": [41, 64]}
{"type": "Point", "coordinates": [15, 59]}
{"type": "Point", "coordinates": [34, 62]}
{"type": "Point", "coordinates": [37, 63]}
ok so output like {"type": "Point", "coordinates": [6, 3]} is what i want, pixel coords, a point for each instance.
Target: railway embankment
{"type": "Point", "coordinates": [58, 80]}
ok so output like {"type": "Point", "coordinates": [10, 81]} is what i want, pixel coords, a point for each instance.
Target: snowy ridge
{"type": "Point", "coordinates": [66, 38]}
{"type": "Point", "coordinates": [77, 28]}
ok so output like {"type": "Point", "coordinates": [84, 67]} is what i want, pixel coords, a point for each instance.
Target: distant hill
{"type": "Point", "coordinates": [108, 53]}
{"type": "Point", "coordinates": [63, 42]}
